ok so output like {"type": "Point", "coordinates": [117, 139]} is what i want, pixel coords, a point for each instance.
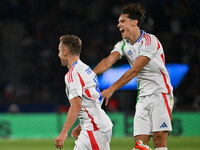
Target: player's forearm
{"type": "Point", "coordinates": [106, 63]}
{"type": "Point", "coordinates": [102, 66]}
{"type": "Point", "coordinates": [139, 63]}
{"type": "Point", "coordinates": [128, 76]}
{"type": "Point", "coordinates": [71, 118]}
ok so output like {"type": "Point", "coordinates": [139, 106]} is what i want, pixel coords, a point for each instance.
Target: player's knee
{"type": "Point", "coordinates": [157, 137]}
{"type": "Point", "coordinates": [160, 139]}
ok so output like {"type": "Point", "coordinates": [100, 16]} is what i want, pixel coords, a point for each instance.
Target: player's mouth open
{"type": "Point", "coordinates": [122, 31]}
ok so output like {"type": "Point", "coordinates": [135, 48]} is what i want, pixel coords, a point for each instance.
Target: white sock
{"type": "Point", "coordinates": [161, 148]}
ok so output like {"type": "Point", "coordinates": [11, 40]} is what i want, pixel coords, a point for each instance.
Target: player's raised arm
{"type": "Point", "coordinates": [71, 118]}
{"type": "Point", "coordinates": [106, 63]}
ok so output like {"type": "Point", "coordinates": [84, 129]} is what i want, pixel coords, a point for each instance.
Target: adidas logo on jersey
{"type": "Point", "coordinates": [130, 53]}
{"type": "Point", "coordinates": [163, 125]}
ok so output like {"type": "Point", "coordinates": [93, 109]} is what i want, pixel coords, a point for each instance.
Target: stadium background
{"type": "Point", "coordinates": [32, 97]}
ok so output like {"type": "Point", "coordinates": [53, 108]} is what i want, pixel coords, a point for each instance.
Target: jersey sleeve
{"type": "Point", "coordinates": [74, 86]}
{"type": "Point", "coordinates": [149, 47]}
{"type": "Point", "coordinates": [119, 47]}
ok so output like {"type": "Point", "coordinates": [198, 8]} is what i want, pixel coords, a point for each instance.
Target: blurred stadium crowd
{"type": "Point", "coordinates": [31, 78]}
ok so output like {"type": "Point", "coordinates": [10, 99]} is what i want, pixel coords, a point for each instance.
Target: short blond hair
{"type": "Point", "coordinates": [73, 43]}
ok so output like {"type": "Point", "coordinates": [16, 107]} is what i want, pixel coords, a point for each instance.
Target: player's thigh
{"type": "Point", "coordinates": [83, 142]}
{"type": "Point", "coordinates": [107, 146]}
{"type": "Point", "coordinates": [87, 140]}
{"type": "Point", "coordinates": [103, 139]}
{"type": "Point", "coordinates": [142, 118]}
{"type": "Point", "coordinates": [107, 139]}
{"type": "Point", "coordinates": [80, 146]}
{"type": "Point", "coordinates": [161, 114]}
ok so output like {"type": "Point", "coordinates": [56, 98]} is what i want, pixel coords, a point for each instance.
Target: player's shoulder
{"type": "Point", "coordinates": [83, 72]}
{"type": "Point", "coordinates": [148, 39]}
{"type": "Point", "coordinates": [122, 42]}
{"type": "Point", "coordinates": [121, 45]}
{"type": "Point", "coordinates": [69, 77]}
{"type": "Point", "coordinates": [75, 71]}
{"type": "Point", "coordinates": [80, 67]}
{"type": "Point", "coordinates": [147, 36]}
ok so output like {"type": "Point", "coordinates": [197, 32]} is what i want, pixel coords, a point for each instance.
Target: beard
{"type": "Point", "coordinates": [64, 62]}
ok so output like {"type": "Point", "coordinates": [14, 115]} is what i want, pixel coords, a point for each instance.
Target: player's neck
{"type": "Point", "coordinates": [71, 61]}
{"type": "Point", "coordinates": [135, 36]}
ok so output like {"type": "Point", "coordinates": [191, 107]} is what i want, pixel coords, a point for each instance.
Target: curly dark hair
{"type": "Point", "coordinates": [135, 12]}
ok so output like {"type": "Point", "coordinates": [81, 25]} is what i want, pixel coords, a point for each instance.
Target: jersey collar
{"type": "Point", "coordinates": [75, 63]}
{"type": "Point", "coordinates": [142, 33]}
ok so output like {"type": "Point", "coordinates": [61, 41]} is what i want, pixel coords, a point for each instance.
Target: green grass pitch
{"type": "Point", "coordinates": [174, 143]}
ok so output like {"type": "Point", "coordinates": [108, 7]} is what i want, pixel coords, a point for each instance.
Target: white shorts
{"type": "Point", "coordinates": [93, 140]}
{"type": "Point", "coordinates": [153, 113]}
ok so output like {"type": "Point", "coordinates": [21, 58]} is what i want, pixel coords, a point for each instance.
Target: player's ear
{"type": "Point", "coordinates": [66, 52]}
{"type": "Point", "coordinates": [134, 22]}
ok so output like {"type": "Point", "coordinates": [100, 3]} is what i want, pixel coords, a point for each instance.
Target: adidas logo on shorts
{"type": "Point", "coordinates": [163, 125]}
